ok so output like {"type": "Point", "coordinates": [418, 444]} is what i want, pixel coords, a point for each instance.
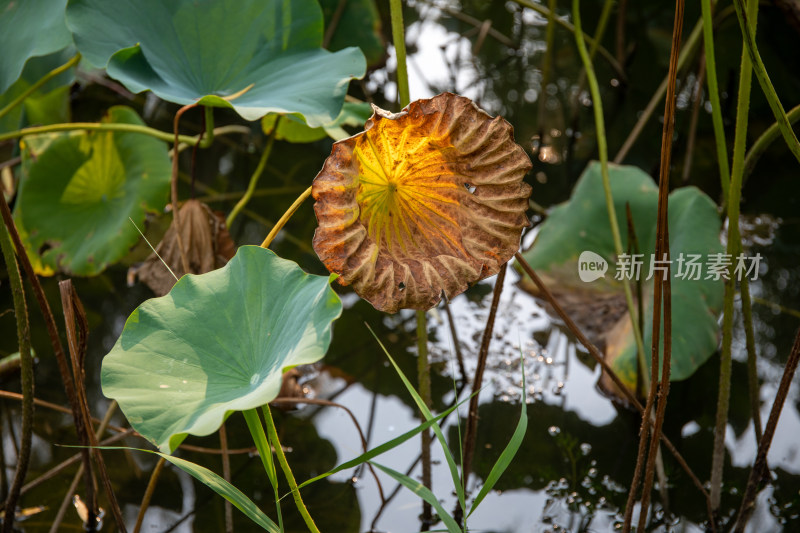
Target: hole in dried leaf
{"type": "Point", "coordinates": [471, 188]}
{"type": "Point", "coordinates": [401, 286]}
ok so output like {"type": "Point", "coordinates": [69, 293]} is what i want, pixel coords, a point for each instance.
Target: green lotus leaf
{"type": "Point", "coordinates": [581, 224]}
{"type": "Point", "coordinates": [80, 191]}
{"type": "Point", "coordinates": [29, 28]}
{"type": "Point", "coordinates": [255, 56]}
{"type": "Point", "coordinates": [217, 343]}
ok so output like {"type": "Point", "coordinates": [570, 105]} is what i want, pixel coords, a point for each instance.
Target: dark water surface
{"type": "Point", "coordinates": [577, 459]}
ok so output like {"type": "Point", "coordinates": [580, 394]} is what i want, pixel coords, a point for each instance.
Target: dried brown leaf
{"type": "Point", "coordinates": [428, 200]}
{"type": "Point", "coordinates": [208, 247]}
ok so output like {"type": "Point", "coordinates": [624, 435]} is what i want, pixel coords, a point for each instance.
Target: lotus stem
{"type": "Point", "coordinates": [26, 367]}
{"type": "Point", "coordinates": [226, 474]}
{"type": "Point", "coordinates": [752, 356]}
{"type": "Point", "coordinates": [766, 138]}
{"type": "Point", "coordinates": [99, 126]}
{"type": "Point", "coordinates": [208, 135]}
{"type": "Point", "coordinates": [713, 95]}
{"type": "Point", "coordinates": [251, 187]}
{"type": "Point", "coordinates": [747, 24]}
{"type": "Point", "coordinates": [285, 218]}
{"type": "Point", "coordinates": [603, 151]}
{"type": "Point", "coordinates": [35, 87]}
{"type": "Point", "coordinates": [598, 357]}
{"type": "Point", "coordinates": [86, 473]}
{"type": "Point", "coordinates": [399, 40]}
{"type": "Point", "coordinates": [760, 465]}
{"type": "Point", "coordinates": [148, 493]}
{"type": "Point", "coordinates": [471, 428]}
{"type": "Point", "coordinates": [662, 290]}
{"type": "Point", "coordinates": [424, 389]}
{"type": "Point", "coordinates": [298, 500]}
{"type": "Point", "coordinates": [734, 244]}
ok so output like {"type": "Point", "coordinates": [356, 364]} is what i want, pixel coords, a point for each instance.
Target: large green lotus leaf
{"type": "Point", "coordinates": [80, 191]}
{"type": "Point", "coordinates": [581, 224]}
{"type": "Point", "coordinates": [217, 343]}
{"type": "Point", "coordinates": [29, 28]}
{"type": "Point", "coordinates": [262, 55]}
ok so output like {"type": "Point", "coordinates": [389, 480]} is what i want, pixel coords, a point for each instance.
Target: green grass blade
{"type": "Point", "coordinates": [215, 483]}
{"type": "Point", "coordinates": [265, 452]}
{"type": "Point", "coordinates": [436, 429]}
{"type": "Point", "coordinates": [260, 440]}
{"type": "Point", "coordinates": [385, 447]}
{"type": "Point", "coordinates": [511, 448]}
{"type": "Point", "coordinates": [419, 489]}
{"type": "Point", "coordinates": [224, 489]}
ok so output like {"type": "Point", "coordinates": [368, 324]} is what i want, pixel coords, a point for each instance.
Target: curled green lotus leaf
{"type": "Point", "coordinates": [29, 28]}
{"type": "Point", "coordinates": [254, 56]}
{"type": "Point", "coordinates": [216, 343]}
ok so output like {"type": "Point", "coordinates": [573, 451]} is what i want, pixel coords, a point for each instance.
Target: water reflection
{"type": "Point", "coordinates": [577, 458]}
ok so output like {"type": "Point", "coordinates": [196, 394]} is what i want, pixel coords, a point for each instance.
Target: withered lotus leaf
{"type": "Point", "coordinates": [427, 200]}
{"type": "Point", "coordinates": [206, 242]}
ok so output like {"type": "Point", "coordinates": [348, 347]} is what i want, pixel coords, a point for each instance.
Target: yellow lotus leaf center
{"type": "Point", "coordinates": [407, 192]}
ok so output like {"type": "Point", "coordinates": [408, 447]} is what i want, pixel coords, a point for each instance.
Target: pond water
{"type": "Point", "coordinates": [574, 466]}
